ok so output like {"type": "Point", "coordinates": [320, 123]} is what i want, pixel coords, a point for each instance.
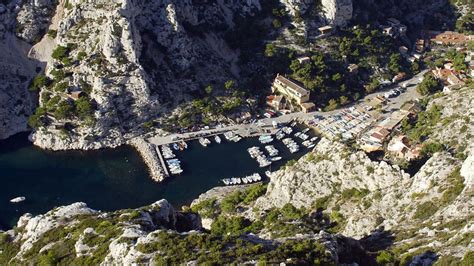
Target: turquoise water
{"type": "Point", "coordinates": [114, 178]}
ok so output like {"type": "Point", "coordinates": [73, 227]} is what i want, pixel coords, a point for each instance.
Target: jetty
{"type": "Point", "coordinates": [151, 158]}
{"type": "Point", "coordinates": [162, 162]}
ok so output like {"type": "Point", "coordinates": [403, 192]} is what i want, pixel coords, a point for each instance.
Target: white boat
{"type": "Point", "coordinates": [268, 174]}
{"type": "Point", "coordinates": [274, 159]}
{"type": "Point", "coordinates": [17, 199]}
{"type": "Point", "coordinates": [305, 130]}
{"type": "Point", "coordinates": [218, 139]}
{"type": "Point", "coordinates": [176, 146]}
{"type": "Point", "coordinates": [204, 142]}
{"type": "Point", "coordinates": [314, 139]}
{"type": "Point", "coordinates": [297, 134]}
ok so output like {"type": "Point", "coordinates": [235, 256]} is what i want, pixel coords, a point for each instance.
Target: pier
{"type": "Point", "coordinates": [162, 161]}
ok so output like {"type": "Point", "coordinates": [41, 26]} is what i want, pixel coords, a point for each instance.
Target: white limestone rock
{"type": "Point", "coordinates": [337, 12]}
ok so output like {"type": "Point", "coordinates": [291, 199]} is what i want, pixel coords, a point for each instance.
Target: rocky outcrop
{"type": "Point", "coordinates": [34, 18]}
{"type": "Point", "coordinates": [16, 71]}
{"type": "Point", "coordinates": [86, 223]}
{"type": "Point", "coordinates": [329, 168]}
{"type": "Point", "coordinates": [337, 12]}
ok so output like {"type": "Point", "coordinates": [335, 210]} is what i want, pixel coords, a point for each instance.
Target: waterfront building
{"type": "Point", "coordinates": [290, 89]}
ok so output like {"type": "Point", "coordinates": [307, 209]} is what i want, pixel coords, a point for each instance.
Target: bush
{"type": "Point", "coordinates": [468, 259]}
{"type": "Point", "coordinates": [52, 33]}
{"type": "Point", "coordinates": [425, 210]}
{"type": "Point", "coordinates": [385, 257]}
{"type": "Point", "coordinates": [60, 53]}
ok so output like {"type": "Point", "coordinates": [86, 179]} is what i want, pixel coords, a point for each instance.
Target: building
{"type": "Point", "coordinates": [411, 107]}
{"type": "Point", "coordinates": [75, 95]}
{"type": "Point", "coordinates": [450, 38]}
{"type": "Point", "coordinates": [276, 102]}
{"type": "Point", "coordinates": [308, 107]}
{"type": "Point", "coordinates": [290, 89]}
{"type": "Point", "coordinates": [379, 135]}
{"type": "Point", "coordinates": [403, 50]}
{"type": "Point", "coordinates": [399, 77]}
{"type": "Point", "coordinates": [325, 29]}
{"type": "Point", "coordinates": [304, 59]}
{"type": "Point", "coordinates": [377, 100]}
{"type": "Point", "coordinates": [399, 146]}
{"type": "Point", "coordinates": [353, 68]}
{"type": "Point", "coordinates": [420, 46]}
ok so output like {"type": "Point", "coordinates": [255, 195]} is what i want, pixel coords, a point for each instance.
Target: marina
{"type": "Point", "coordinates": [112, 179]}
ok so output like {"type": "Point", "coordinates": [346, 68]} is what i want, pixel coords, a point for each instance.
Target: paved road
{"type": "Point", "coordinates": [266, 123]}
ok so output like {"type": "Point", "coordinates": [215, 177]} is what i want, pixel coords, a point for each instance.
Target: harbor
{"type": "Point", "coordinates": [274, 144]}
{"type": "Point", "coordinates": [113, 179]}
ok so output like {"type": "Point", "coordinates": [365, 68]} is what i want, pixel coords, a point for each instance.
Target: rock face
{"type": "Point", "coordinates": [16, 71]}
{"type": "Point", "coordinates": [331, 167]}
{"type": "Point", "coordinates": [138, 225]}
{"type": "Point", "coordinates": [34, 18]}
{"type": "Point", "coordinates": [337, 12]}
{"type": "Point", "coordinates": [138, 58]}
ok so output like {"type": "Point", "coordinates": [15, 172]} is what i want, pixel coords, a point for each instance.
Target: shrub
{"type": "Point", "coordinates": [52, 33]}
{"type": "Point", "coordinates": [385, 257]}
{"type": "Point", "coordinates": [425, 210]}
{"type": "Point", "coordinates": [60, 53]}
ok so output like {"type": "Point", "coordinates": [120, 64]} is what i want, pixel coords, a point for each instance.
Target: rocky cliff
{"type": "Point", "coordinates": [16, 71]}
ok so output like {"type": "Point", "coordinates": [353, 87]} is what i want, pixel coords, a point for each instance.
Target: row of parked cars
{"type": "Point", "coordinates": [395, 92]}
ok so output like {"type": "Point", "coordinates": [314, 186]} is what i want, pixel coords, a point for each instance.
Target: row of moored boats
{"type": "Point", "coordinates": [242, 180]}
{"type": "Point", "coordinates": [174, 164]}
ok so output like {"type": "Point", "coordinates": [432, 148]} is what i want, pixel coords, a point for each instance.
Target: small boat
{"type": "Point", "coordinates": [268, 174]}
{"type": "Point", "coordinates": [204, 142]}
{"type": "Point", "coordinates": [274, 159]}
{"type": "Point", "coordinates": [176, 146]}
{"type": "Point", "coordinates": [305, 130]}
{"type": "Point", "coordinates": [218, 139]}
{"type": "Point", "coordinates": [17, 199]}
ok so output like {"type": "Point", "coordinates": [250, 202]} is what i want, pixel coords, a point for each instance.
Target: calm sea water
{"type": "Point", "coordinates": [114, 178]}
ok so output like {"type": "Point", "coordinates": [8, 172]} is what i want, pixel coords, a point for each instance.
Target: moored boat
{"type": "Point", "coordinates": [18, 199]}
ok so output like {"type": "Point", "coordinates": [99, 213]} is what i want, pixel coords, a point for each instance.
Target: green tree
{"type": "Point", "coordinates": [276, 23]}
{"type": "Point", "coordinates": [429, 85]}
{"type": "Point", "coordinates": [395, 63]}
{"type": "Point", "coordinates": [209, 89]}
{"type": "Point", "coordinates": [38, 82]}
{"type": "Point", "coordinates": [84, 108]}
{"type": "Point", "coordinates": [270, 50]}
{"type": "Point", "coordinates": [332, 105]}
{"type": "Point", "coordinates": [60, 53]}
{"type": "Point", "coordinates": [229, 85]}
{"type": "Point", "coordinates": [64, 110]}
{"type": "Point", "coordinates": [343, 100]}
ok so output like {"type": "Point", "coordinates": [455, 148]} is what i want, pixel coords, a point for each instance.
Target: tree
{"type": "Point", "coordinates": [429, 85]}
{"type": "Point", "coordinates": [276, 23]}
{"type": "Point", "coordinates": [35, 120]}
{"type": "Point", "coordinates": [332, 105]}
{"type": "Point", "coordinates": [394, 64]}
{"type": "Point", "coordinates": [459, 63]}
{"type": "Point", "coordinates": [38, 82]}
{"type": "Point", "coordinates": [65, 110]}
{"type": "Point", "coordinates": [229, 85]}
{"type": "Point", "coordinates": [343, 100]}
{"type": "Point", "coordinates": [60, 53]}
{"type": "Point", "coordinates": [270, 50]}
{"type": "Point", "coordinates": [84, 108]}
{"type": "Point", "coordinates": [209, 89]}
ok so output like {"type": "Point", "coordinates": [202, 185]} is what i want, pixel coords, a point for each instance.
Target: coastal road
{"type": "Point", "coordinates": [266, 123]}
